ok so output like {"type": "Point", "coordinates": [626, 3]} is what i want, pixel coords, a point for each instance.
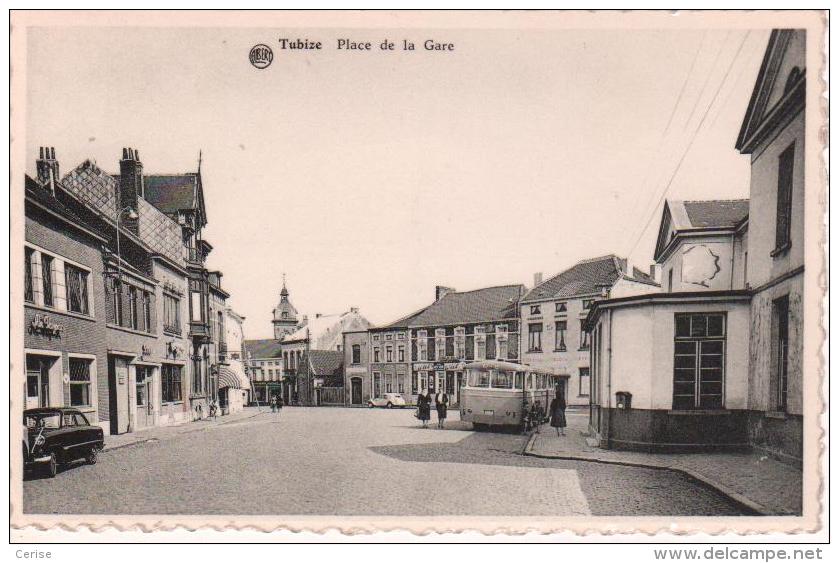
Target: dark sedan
{"type": "Point", "coordinates": [57, 435]}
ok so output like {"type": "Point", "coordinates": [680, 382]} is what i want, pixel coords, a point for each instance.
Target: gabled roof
{"type": "Point", "coordinates": [264, 348]}
{"type": "Point", "coordinates": [326, 331]}
{"type": "Point", "coordinates": [714, 214]}
{"type": "Point", "coordinates": [487, 304]}
{"type": "Point", "coordinates": [586, 277]}
{"type": "Point", "coordinates": [779, 89]}
{"type": "Point", "coordinates": [325, 362]}
{"type": "Point", "coordinates": [171, 193]}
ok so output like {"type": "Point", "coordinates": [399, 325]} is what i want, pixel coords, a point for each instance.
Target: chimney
{"type": "Point", "coordinates": [317, 315]}
{"type": "Point", "coordinates": [537, 278]}
{"type": "Point", "coordinates": [130, 185]}
{"type": "Point", "coordinates": [47, 168]}
{"type": "Point", "coordinates": [441, 291]}
{"type": "Point", "coordinates": [623, 265]}
{"type": "Point", "coordinates": [354, 310]}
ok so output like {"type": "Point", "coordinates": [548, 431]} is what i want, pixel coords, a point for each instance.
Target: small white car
{"type": "Point", "coordinates": [388, 401]}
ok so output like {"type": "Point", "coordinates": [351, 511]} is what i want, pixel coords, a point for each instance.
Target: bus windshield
{"type": "Point", "coordinates": [502, 379]}
{"type": "Point", "coordinates": [478, 378]}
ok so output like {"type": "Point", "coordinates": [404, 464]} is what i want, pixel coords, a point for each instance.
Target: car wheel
{"type": "Point", "coordinates": [371, 405]}
{"type": "Point", "coordinates": [92, 456]}
{"type": "Point", "coordinates": [52, 465]}
{"type": "Point", "coordinates": [389, 405]}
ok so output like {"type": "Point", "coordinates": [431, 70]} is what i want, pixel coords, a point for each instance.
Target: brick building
{"type": "Point", "coordinates": [107, 288]}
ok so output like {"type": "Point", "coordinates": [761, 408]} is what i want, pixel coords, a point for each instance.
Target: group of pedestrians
{"type": "Point", "coordinates": [535, 416]}
{"type": "Point", "coordinates": [441, 402]}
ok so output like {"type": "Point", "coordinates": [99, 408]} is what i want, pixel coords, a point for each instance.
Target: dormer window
{"type": "Point", "coordinates": [561, 307]}
{"type": "Point", "coordinates": [535, 309]}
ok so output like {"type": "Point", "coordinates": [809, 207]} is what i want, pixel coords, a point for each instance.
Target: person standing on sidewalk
{"type": "Point", "coordinates": [279, 404]}
{"type": "Point", "coordinates": [424, 407]}
{"type": "Point", "coordinates": [274, 404]}
{"type": "Point", "coordinates": [557, 412]}
{"type": "Point", "coordinates": [441, 401]}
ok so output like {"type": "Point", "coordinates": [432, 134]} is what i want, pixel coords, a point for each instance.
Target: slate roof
{"type": "Point", "coordinates": [584, 278]}
{"type": "Point", "coordinates": [326, 331]}
{"type": "Point", "coordinates": [326, 362]}
{"type": "Point", "coordinates": [172, 192]}
{"type": "Point", "coordinates": [490, 303]}
{"type": "Point", "coordinates": [97, 189]}
{"type": "Point", "coordinates": [716, 213]}
{"type": "Point", "coordinates": [265, 348]}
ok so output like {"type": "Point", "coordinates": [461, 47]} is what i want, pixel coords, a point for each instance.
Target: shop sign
{"type": "Point", "coordinates": [451, 365]}
{"type": "Point", "coordinates": [424, 367]}
{"type": "Point", "coordinates": [41, 324]}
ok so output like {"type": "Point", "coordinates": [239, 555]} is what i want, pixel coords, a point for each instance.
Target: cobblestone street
{"type": "Point", "coordinates": [357, 462]}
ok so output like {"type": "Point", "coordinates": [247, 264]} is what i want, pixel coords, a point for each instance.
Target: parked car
{"type": "Point", "coordinates": [388, 401]}
{"type": "Point", "coordinates": [55, 436]}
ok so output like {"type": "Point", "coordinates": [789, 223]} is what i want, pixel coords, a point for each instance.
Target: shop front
{"type": "Point", "coordinates": [438, 376]}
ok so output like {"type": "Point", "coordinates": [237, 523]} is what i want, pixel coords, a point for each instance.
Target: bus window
{"type": "Point", "coordinates": [502, 379]}
{"type": "Point", "coordinates": [478, 378]}
{"type": "Point", "coordinates": [519, 379]}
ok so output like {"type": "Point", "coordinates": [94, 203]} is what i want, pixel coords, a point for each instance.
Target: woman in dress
{"type": "Point", "coordinates": [441, 400]}
{"type": "Point", "coordinates": [557, 412]}
{"type": "Point", "coordinates": [424, 407]}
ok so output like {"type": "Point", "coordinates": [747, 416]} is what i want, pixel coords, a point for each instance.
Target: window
{"type": "Point", "coordinates": [401, 353]}
{"type": "Point", "coordinates": [535, 309]}
{"type": "Point", "coordinates": [197, 376]}
{"type": "Point", "coordinates": [46, 276]}
{"type": "Point", "coordinates": [356, 353]}
{"type": "Point", "coordinates": [414, 382]}
{"type": "Point", "coordinates": [583, 335]}
{"type": "Point", "coordinates": [389, 354]}
{"type": "Point", "coordinates": [76, 283]}
{"type": "Point", "coordinates": [400, 382]}
{"type": "Point", "coordinates": [79, 382]}
{"type": "Point", "coordinates": [440, 343]}
{"type": "Point", "coordinates": [389, 383]}
{"type": "Point", "coordinates": [478, 378]}
{"type": "Point", "coordinates": [375, 338]}
{"type": "Point", "coordinates": [561, 307]}
{"type": "Point", "coordinates": [422, 345]}
{"type": "Point", "coordinates": [786, 165]}
{"type": "Point", "coordinates": [147, 323]}
{"type": "Point", "coordinates": [502, 379]}
{"type": "Point", "coordinates": [388, 337]}
{"type": "Point", "coordinates": [460, 343]}
{"type": "Point", "coordinates": [699, 357]}
{"type": "Point", "coordinates": [377, 384]}
{"type": "Point", "coordinates": [171, 314]}
{"type": "Point", "coordinates": [170, 383]}
{"type": "Point", "coordinates": [534, 337]}
{"type": "Point", "coordinates": [585, 382]}
{"type": "Point", "coordinates": [376, 354]}
{"type": "Point", "coordinates": [780, 318]}
{"type": "Point", "coordinates": [133, 319]}
{"type": "Point", "coordinates": [28, 289]}
{"type": "Point", "coordinates": [561, 328]}
{"type": "Point", "coordinates": [588, 303]}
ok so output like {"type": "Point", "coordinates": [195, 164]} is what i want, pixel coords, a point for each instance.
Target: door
{"type": "Point", "coordinates": [37, 381]}
{"type": "Point", "coordinates": [142, 391]}
{"type": "Point", "coordinates": [355, 396]}
{"type": "Point", "coordinates": [458, 384]}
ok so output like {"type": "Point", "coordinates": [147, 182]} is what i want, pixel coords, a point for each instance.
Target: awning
{"type": "Point", "coordinates": [228, 377]}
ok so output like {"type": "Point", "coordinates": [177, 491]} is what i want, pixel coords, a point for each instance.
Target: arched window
{"type": "Point", "coordinates": [792, 78]}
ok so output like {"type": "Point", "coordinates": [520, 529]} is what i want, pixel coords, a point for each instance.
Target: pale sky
{"type": "Point", "coordinates": [369, 178]}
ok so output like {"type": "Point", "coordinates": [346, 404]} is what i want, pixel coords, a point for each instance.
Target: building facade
{"type": "Point", "coordinates": [127, 366]}
{"type": "Point", "coordinates": [553, 314]}
{"type": "Point", "coordinates": [264, 362]}
{"type": "Point", "coordinates": [356, 350]}
{"type": "Point", "coordinates": [234, 385]}
{"type": "Point", "coordinates": [773, 135]}
{"type": "Point", "coordinates": [714, 360]}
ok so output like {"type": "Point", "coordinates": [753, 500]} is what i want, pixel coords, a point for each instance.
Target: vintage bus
{"type": "Point", "coordinates": [497, 393]}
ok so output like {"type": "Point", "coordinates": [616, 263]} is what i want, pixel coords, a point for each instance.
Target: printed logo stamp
{"type": "Point", "coordinates": [261, 56]}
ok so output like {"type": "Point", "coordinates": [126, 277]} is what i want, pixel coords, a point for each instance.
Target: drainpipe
{"type": "Point", "coordinates": [609, 385]}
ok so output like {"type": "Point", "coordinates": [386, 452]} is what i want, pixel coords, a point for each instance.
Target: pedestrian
{"type": "Point", "coordinates": [441, 400]}
{"type": "Point", "coordinates": [279, 404]}
{"type": "Point", "coordinates": [536, 415]}
{"type": "Point", "coordinates": [424, 407]}
{"type": "Point", "coordinates": [557, 412]}
{"type": "Point", "coordinates": [273, 404]}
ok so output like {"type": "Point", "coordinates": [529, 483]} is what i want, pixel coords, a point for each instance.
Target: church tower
{"type": "Point", "coordinates": [285, 315]}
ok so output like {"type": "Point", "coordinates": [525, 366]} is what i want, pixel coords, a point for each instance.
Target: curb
{"type": "Point", "coordinates": [186, 431]}
{"type": "Point", "coordinates": [734, 496]}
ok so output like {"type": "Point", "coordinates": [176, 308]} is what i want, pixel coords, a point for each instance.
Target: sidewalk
{"type": "Point", "coordinates": [760, 483]}
{"type": "Point", "coordinates": [155, 433]}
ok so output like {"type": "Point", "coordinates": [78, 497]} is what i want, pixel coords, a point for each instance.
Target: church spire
{"type": "Point", "coordinates": [283, 291]}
